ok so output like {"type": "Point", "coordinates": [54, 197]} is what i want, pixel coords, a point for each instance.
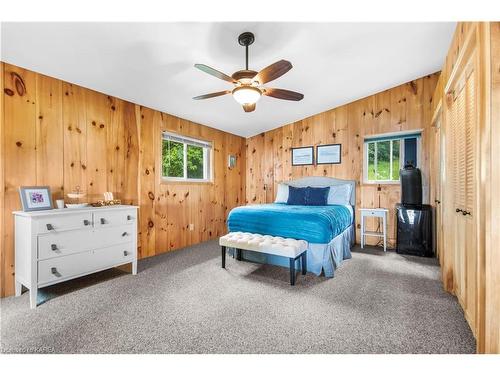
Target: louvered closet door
{"type": "Point", "coordinates": [470, 181]}
{"type": "Point", "coordinates": [458, 134]}
{"type": "Point", "coordinates": [463, 123]}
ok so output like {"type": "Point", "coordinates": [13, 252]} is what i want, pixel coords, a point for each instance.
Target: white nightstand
{"type": "Point", "coordinates": [374, 212]}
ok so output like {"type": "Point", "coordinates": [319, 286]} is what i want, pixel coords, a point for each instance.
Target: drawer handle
{"type": "Point", "coordinates": [129, 217]}
{"type": "Point", "coordinates": [53, 247]}
{"type": "Point", "coordinates": [49, 227]}
{"type": "Point", "coordinates": [125, 253]}
{"type": "Point", "coordinates": [54, 272]}
{"type": "Point", "coordinates": [103, 220]}
{"type": "Point", "coordinates": [86, 222]}
{"type": "Point", "coordinates": [124, 234]}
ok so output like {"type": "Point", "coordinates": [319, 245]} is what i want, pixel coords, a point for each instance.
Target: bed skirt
{"type": "Point", "coordinates": [321, 257]}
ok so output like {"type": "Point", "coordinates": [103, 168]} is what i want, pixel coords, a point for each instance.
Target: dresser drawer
{"type": "Point", "coordinates": [112, 218]}
{"type": "Point", "coordinates": [64, 222]}
{"type": "Point", "coordinates": [56, 244]}
{"type": "Point", "coordinates": [51, 271]}
{"type": "Point", "coordinates": [109, 236]}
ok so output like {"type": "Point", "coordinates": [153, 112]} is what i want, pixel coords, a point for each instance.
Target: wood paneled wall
{"type": "Point", "coordinates": [62, 135]}
{"type": "Point", "coordinates": [492, 213]}
{"type": "Point", "coordinates": [481, 299]}
{"type": "Point", "coordinates": [404, 107]}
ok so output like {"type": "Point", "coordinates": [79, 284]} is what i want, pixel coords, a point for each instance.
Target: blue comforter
{"type": "Point", "coordinates": [315, 224]}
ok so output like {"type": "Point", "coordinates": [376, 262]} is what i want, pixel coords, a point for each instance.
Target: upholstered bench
{"type": "Point", "coordinates": [285, 247]}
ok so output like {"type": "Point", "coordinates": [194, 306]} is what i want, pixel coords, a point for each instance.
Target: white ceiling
{"type": "Point", "coordinates": [152, 63]}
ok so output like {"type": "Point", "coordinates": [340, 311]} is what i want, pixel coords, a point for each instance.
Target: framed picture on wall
{"type": "Point", "coordinates": [35, 198]}
{"type": "Point", "coordinates": [303, 155]}
{"type": "Point", "coordinates": [329, 154]}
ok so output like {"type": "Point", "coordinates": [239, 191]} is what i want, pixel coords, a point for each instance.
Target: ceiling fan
{"type": "Point", "coordinates": [248, 83]}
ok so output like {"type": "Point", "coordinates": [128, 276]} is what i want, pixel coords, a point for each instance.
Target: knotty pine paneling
{"type": "Point", "coordinates": [406, 107]}
{"type": "Point", "coordinates": [75, 137]}
{"type": "Point", "coordinates": [2, 185]}
{"type": "Point", "coordinates": [491, 301]}
{"type": "Point", "coordinates": [59, 134]}
{"type": "Point", "coordinates": [19, 94]}
{"type": "Point", "coordinates": [49, 134]}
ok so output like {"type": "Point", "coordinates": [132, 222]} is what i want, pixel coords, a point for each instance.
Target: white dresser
{"type": "Point", "coordinates": [58, 245]}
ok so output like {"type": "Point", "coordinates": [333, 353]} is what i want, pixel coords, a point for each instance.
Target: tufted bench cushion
{"type": "Point", "coordinates": [287, 247]}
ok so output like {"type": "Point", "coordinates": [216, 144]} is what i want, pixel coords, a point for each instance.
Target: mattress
{"type": "Point", "coordinates": [315, 224]}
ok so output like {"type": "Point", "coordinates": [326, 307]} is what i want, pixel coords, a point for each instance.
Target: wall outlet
{"type": "Point", "coordinates": [191, 226]}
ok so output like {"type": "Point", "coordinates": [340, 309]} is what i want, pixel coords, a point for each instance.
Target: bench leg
{"type": "Point", "coordinates": [223, 253]}
{"type": "Point", "coordinates": [304, 262]}
{"type": "Point", "coordinates": [238, 254]}
{"type": "Point", "coordinates": [292, 271]}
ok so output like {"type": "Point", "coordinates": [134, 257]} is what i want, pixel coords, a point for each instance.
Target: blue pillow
{"type": "Point", "coordinates": [317, 196]}
{"type": "Point", "coordinates": [296, 196]}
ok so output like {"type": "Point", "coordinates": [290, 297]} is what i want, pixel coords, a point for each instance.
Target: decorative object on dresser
{"type": "Point", "coordinates": [303, 156]}
{"type": "Point", "coordinates": [60, 203]}
{"type": "Point", "coordinates": [75, 198]}
{"type": "Point", "coordinates": [329, 154]}
{"type": "Point", "coordinates": [35, 198]}
{"type": "Point", "coordinates": [58, 245]}
{"type": "Point", "coordinates": [108, 200]}
{"type": "Point", "coordinates": [374, 212]}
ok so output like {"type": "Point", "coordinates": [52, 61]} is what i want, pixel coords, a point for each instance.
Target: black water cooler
{"type": "Point", "coordinates": [414, 219]}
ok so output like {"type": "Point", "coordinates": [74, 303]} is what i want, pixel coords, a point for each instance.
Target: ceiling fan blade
{"type": "Point", "coordinates": [283, 94]}
{"type": "Point", "coordinates": [249, 107]}
{"type": "Point", "coordinates": [273, 71]}
{"type": "Point", "coordinates": [212, 95]}
{"type": "Point", "coordinates": [214, 72]}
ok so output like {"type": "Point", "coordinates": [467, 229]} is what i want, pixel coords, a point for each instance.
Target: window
{"type": "Point", "coordinates": [185, 159]}
{"type": "Point", "coordinates": [385, 155]}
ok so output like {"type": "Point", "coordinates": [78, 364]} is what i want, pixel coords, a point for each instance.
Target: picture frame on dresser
{"type": "Point", "coordinates": [35, 198]}
{"type": "Point", "coordinates": [329, 154]}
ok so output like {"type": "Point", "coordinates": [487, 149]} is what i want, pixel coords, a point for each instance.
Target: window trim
{"type": "Point", "coordinates": [391, 136]}
{"type": "Point", "coordinates": [185, 141]}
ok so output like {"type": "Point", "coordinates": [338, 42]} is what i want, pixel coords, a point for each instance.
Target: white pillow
{"type": "Point", "coordinates": [339, 194]}
{"type": "Point", "coordinates": [282, 194]}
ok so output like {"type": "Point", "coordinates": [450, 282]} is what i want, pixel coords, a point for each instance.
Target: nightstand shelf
{"type": "Point", "coordinates": [374, 212]}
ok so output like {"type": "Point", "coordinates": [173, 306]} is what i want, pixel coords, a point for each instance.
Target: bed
{"type": "Point", "coordinates": [329, 230]}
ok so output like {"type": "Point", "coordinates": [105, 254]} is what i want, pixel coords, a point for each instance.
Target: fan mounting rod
{"type": "Point", "coordinates": [245, 39]}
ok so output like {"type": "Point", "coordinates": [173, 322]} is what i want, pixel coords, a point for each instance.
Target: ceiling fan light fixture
{"type": "Point", "coordinates": [246, 94]}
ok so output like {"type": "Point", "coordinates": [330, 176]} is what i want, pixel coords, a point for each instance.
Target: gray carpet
{"type": "Point", "coordinates": [183, 302]}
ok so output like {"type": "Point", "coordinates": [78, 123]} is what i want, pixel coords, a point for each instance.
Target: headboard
{"type": "Point", "coordinates": [324, 182]}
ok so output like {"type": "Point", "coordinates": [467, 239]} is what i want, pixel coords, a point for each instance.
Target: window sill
{"type": "Point", "coordinates": [381, 182]}
{"type": "Point", "coordinates": [167, 181]}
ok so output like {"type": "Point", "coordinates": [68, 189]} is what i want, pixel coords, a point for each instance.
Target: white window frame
{"type": "Point", "coordinates": [401, 154]}
{"type": "Point", "coordinates": [185, 141]}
